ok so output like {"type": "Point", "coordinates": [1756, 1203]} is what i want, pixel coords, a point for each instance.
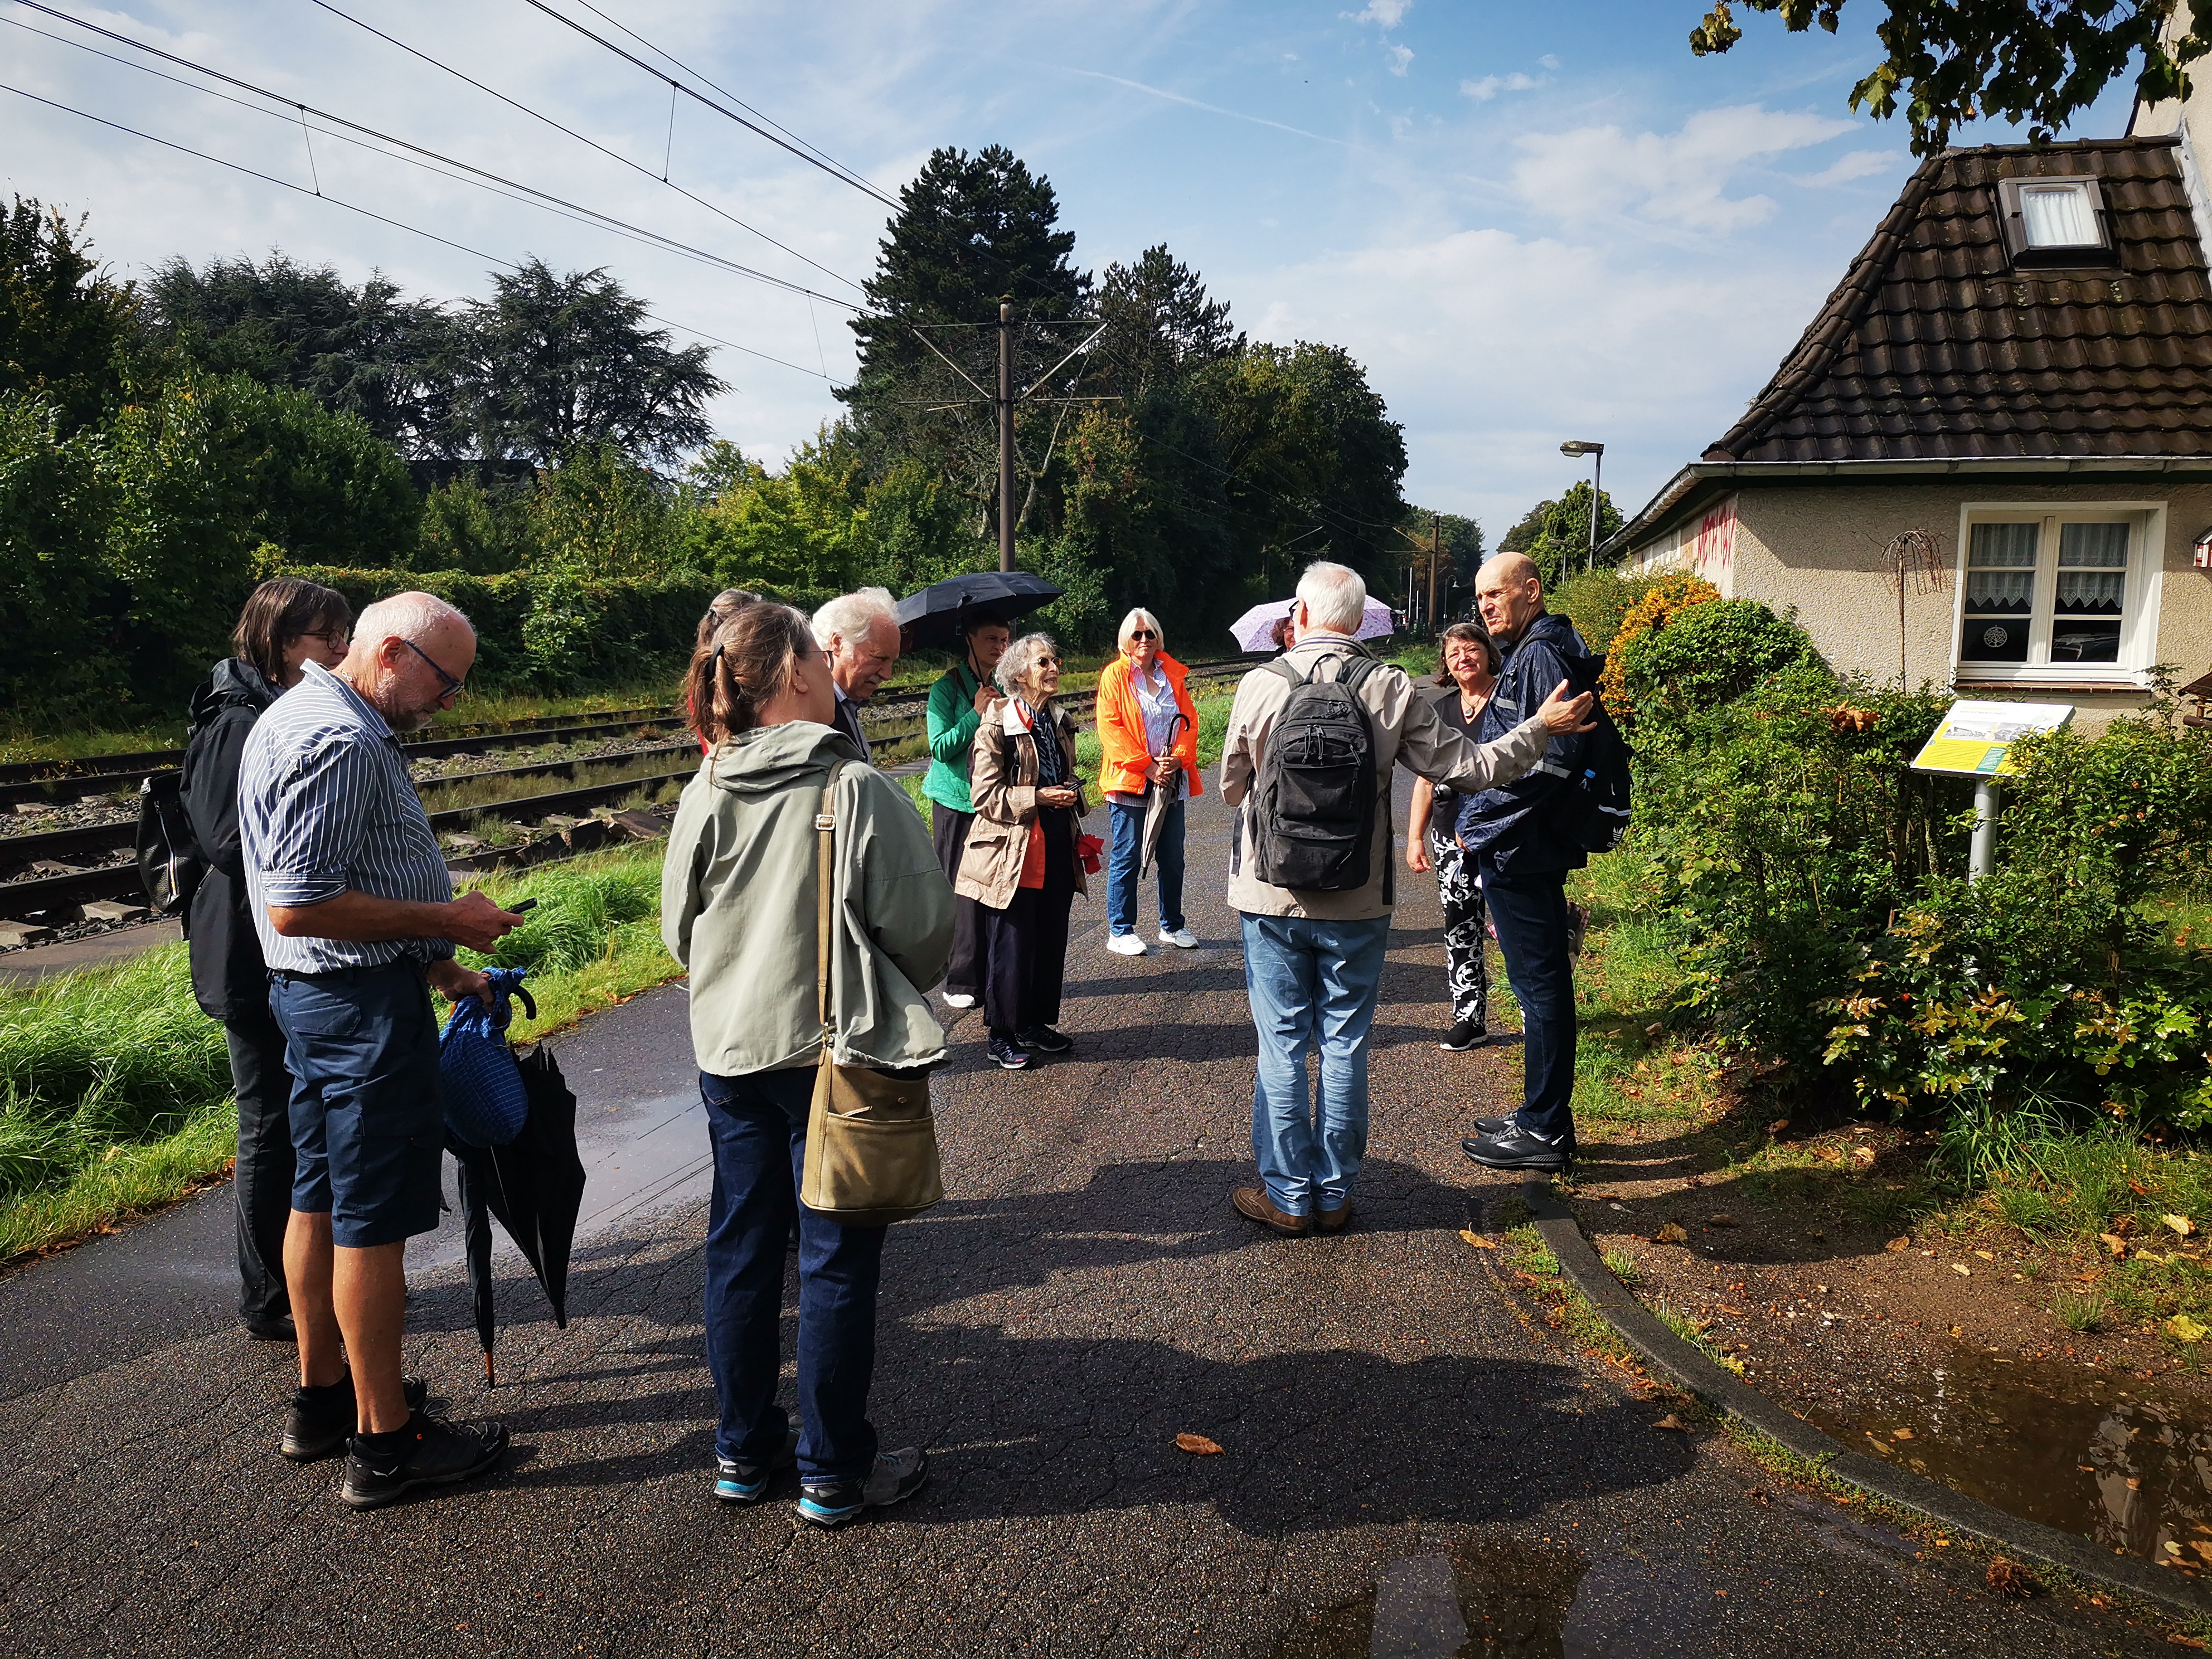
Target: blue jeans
{"type": "Point", "coordinates": [1530, 915]}
{"type": "Point", "coordinates": [1311, 983]}
{"type": "Point", "coordinates": [1128, 851]}
{"type": "Point", "coordinates": [758, 1126]}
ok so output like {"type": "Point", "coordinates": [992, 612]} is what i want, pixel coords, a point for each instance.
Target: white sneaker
{"type": "Point", "coordinates": [1182, 938]}
{"type": "Point", "coordinates": [1126, 944]}
{"type": "Point", "coordinates": [958, 999]}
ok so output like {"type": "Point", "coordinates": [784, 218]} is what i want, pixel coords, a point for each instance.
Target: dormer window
{"type": "Point", "coordinates": [2054, 222]}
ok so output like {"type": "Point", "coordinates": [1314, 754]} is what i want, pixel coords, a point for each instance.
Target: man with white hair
{"type": "Point", "coordinates": [1314, 737]}
{"type": "Point", "coordinates": [358, 920]}
{"type": "Point", "coordinates": [860, 632]}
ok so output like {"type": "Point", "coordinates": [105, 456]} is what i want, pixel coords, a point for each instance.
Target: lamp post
{"type": "Point", "coordinates": [1596, 453]}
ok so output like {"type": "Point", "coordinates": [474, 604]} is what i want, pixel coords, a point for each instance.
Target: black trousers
{"type": "Point", "coordinates": [263, 1181]}
{"type": "Point", "coordinates": [1028, 940]}
{"type": "Point", "coordinates": [968, 968]}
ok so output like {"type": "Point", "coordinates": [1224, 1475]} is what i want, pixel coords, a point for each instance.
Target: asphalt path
{"type": "Point", "coordinates": [1387, 1414]}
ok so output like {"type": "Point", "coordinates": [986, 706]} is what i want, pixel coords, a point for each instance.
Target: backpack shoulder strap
{"type": "Point", "coordinates": [825, 826]}
{"type": "Point", "coordinates": [1283, 666]}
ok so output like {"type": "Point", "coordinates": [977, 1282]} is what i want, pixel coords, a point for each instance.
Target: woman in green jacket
{"type": "Point", "coordinates": [958, 703]}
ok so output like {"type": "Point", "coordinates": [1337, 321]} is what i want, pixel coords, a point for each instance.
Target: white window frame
{"type": "Point", "coordinates": [2146, 522]}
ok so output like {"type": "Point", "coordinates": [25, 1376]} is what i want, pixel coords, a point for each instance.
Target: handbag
{"type": "Point", "coordinates": [871, 1141]}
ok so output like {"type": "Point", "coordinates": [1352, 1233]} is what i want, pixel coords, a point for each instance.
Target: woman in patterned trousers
{"type": "Point", "coordinates": [1470, 660]}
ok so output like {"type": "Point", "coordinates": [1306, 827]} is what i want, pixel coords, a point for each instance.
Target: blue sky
{"type": "Point", "coordinates": [1529, 222]}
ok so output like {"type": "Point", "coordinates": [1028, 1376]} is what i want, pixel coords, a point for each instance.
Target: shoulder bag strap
{"type": "Point", "coordinates": [825, 826]}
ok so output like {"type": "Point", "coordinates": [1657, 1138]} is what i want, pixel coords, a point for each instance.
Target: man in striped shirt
{"type": "Point", "coordinates": [358, 920]}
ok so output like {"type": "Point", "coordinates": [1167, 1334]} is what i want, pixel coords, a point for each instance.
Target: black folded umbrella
{"type": "Point", "coordinates": [535, 1186]}
{"type": "Point", "coordinates": [933, 618]}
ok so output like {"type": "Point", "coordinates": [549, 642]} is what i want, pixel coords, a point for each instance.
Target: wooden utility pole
{"type": "Point", "coordinates": [1005, 401]}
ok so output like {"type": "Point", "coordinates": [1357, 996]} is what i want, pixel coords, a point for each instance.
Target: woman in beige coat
{"type": "Point", "coordinates": [1021, 864]}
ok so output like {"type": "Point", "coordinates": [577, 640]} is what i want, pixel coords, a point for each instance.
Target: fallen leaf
{"type": "Point", "coordinates": [1672, 1423]}
{"type": "Point", "coordinates": [2181, 1328]}
{"type": "Point", "coordinates": [1653, 1030]}
{"type": "Point", "coordinates": [2177, 1638]}
{"type": "Point", "coordinates": [1962, 1270]}
{"type": "Point", "coordinates": [1476, 1239]}
{"type": "Point", "coordinates": [1197, 1445]}
{"type": "Point", "coordinates": [2181, 1223]}
{"type": "Point", "coordinates": [1671, 1233]}
{"type": "Point", "coordinates": [1985, 1255]}
{"type": "Point", "coordinates": [1777, 1126]}
{"type": "Point", "coordinates": [1957, 1330]}
{"type": "Point", "coordinates": [2115, 1244]}
{"type": "Point", "coordinates": [1720, 1221]}
{"type": "Point", "coordinates": [1899, 1245]}
{"type": "Point", "coordinates": [1863, 1154]}
{"type": "Point", "coordinates": [2010, 1578]}
{"type": "Point", "coordinates": [1901, 1434]}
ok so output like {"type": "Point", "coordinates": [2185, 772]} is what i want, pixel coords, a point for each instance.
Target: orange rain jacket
{"type": "Point", "coordinates": [1124, 756]}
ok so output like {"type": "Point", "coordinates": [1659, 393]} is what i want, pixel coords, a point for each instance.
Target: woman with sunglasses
{"type": "Point", "coordinates": [1148, 740]}
{"type": "Point", "coordinates": [1020, 863]}
{"type": "Point", "coordinates": [287, 622]}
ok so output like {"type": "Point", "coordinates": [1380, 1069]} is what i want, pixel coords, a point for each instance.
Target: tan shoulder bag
{"type": "Point", "coordinates": [871, 1141]}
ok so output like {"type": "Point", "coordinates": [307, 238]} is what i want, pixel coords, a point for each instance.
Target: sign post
{"type": "Point", "coordinates": [1975, 741]}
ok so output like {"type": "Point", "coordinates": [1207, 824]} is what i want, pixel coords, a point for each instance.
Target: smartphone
{"type": "Point", "coordinates": [517, 909]}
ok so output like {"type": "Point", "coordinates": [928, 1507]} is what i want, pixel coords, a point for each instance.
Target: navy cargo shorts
{"type": "Point", "coordinates": [367, 1123]}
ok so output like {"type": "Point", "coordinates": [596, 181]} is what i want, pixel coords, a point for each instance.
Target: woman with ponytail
{"type": "Point", "coordinates": [739, 896]}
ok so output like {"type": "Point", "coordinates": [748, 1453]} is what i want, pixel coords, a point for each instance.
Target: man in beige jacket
{"type": "Point", "coordinates": [1313, 960]}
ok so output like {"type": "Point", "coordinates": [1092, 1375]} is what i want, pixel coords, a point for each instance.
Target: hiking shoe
{"type": "Point", "coordinates": [1463, 1036]}
{"type": "Point", "coordinates": [429, 1452]}
{"type": "Point", "coordinates": [960, 998]}
{"type": "Point", "coordinates": [896, 1477]}
{"type": "Point", "coordinates": [1044, 1039]}
{"type": "Point", "coordinates": [1182, 938]}
{"type": "Point", "coordinates": [1516, 1148]}
{"type": "Point", "coordinates": [1254, 1205]}
{"type": "Point", "coordinates": [1005, 1056]}
{"type": "Point", "coordinates": [1126, 944]}
{"type": "Point", "coordinates": [319, 1421]}
{"type": "Point", "coordinates": [739, 1482]}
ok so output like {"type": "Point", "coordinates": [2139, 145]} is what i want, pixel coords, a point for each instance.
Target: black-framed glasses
{"type": "Point", "coordinates": [337, 638]}
{"type": "Point", "coordinates": [453, 687]}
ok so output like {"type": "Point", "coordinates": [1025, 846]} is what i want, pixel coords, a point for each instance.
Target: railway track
{"type": "Point", "coordinates": [58, 872]}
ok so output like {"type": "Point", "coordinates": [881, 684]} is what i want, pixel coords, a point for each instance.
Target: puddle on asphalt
{"type": "Point", "coordinates": [2123, 1463]}
{"type": "Point", "coordinates": [1515, 1601]}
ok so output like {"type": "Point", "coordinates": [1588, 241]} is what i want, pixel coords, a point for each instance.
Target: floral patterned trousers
{"type": "Point", "coordinates": [1467, 973]}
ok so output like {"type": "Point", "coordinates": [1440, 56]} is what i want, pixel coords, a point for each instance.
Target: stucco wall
{"type": "Point", "coordinates": [1818, 550]}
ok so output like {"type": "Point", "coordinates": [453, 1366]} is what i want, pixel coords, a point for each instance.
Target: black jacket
{"type": "Point", "coordinates": [230, 979]}
{"type": "Point", "coordinates": [1506, 827]}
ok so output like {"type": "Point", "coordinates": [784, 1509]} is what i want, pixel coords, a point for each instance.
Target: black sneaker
{"type": "Point", "coordinates": [1463, 1036]}
{"type": "Point", "coordinates": [319, 1421]}
{"type": "Point", "coordinates": [1485, 1125]}
{"type": "Point", "coordinates": [429, 1452]}
{"type": "Point", "coordinates": [1577, 925]}
{"type": "Point", "coordinates": [1514, 1148]}
{"type": "Point", "coordinates": [1007, 1057]}
{"type": "Point", "coordinates": [896, 1477]}
{"type": "Point", "coordinates": [737, 1482]}
{"type": "Point", "coordinates": [1044, 1040]}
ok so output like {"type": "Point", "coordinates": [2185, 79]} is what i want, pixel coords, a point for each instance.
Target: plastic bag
{"type": "Point", "coordinates": [484, 1098]}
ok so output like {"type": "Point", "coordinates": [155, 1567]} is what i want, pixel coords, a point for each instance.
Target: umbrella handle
{"type": "Point", "coordinates": [489, 1382]}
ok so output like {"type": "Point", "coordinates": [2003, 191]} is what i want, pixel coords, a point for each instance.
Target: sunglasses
{"type": "Point", "coordinates": [1142, 634]}
{"type": "Point", "coordinates": [453, 687]}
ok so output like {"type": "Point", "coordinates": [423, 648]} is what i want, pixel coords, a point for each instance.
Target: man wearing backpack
{"type": "Point", "coordinates": [1313, 739]}
{"type": "Point", "coordinates": [1524, 843]}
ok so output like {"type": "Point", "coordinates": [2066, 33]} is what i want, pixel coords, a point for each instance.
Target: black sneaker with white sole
{"type": "Point", "coordinates": [1514, 1147]}
{"type": "Point", "coordinates": [382, 1469]}
{"type": "Point", "coordinates": [319, 1421]}
{"type": "Point", "coordinates": [1005, 1056]}
{"type": "Point", "coordinates": [739, 1482]}
{"type": "Point", "coordinates": [1044, 1039]}
{"type": "Point", "coordinates": [1485, 1125]}
{"type": "Point", "coordinates": [1463, 1036]}
{"type": "Point", "coordinates": [896, 1477]}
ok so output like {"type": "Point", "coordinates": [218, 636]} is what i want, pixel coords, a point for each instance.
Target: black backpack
{"type": "Point", "coordinates": [1313, 803]}
{"type": "Point", "coordinates": [170, 863]}
{"type": "Point", "coordinates": [1592, 813]}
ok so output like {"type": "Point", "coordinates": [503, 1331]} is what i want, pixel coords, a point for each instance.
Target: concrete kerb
{"type": "Point", "coordinates": [1685, 1365]}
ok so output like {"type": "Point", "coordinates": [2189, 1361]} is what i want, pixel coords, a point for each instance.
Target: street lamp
{"type": "Point", "coordinates": [1596, 453]}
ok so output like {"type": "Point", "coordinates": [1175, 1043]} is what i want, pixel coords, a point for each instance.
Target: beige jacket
{"type": "Point", "coordinates": [1003, 782]}
{"type": "Point", "coordinates": [1407, 731]}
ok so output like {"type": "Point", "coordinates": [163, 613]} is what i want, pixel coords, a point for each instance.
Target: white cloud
{"type": "Point", "coordinates": [1490, 86]}
{"type": "Point", "coordinates": [1401, 58]}
{"type": "Point", "coordinates": [1677, 179]}
{"type": "Point", "coordinates": [1859, 164]}
{"type": "Point", "coordinates": [1549, 60]}
{"type": "Point", "coordinates": [1383, 13]}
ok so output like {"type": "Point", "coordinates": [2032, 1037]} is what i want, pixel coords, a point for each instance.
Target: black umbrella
{"type": "Point", "coordinates": [535, 1186]}
{"type": "Point", "coordinates": [933, 618]}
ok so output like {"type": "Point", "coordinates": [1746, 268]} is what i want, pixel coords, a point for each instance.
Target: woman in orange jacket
{"type": "Point", "coordinates": [1148, 740]}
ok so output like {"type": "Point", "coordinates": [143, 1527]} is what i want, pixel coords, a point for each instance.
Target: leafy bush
{"type": "Point", "coordinates": [1674, 592]}
{"type": "Point", "coordinates": [1596, 601]}
{"type": "Point", "coordinates": [1705, 654]}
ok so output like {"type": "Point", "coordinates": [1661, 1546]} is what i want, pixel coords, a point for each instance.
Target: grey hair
{"type": "Point", "coordinates": [1334, 595]}
{"type": "Point", "coordinates": [1021, 659]}
{"type": "Point", "coordinates": [1129, 623]}
{"type": "Point", "coordinates": [403, 617]}
{"type": "Point", "coordinates": [853, 615]}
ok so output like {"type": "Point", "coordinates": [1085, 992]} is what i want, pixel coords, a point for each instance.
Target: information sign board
{"type": "Point", "coordinates": [1975, 738]}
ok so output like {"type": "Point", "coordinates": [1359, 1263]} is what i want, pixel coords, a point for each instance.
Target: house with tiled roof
{"type": "Point", "coordinates": [2018, 363]}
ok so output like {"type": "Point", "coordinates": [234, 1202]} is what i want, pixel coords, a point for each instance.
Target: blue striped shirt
{"type": "Point", "coordinates": [324, 806]}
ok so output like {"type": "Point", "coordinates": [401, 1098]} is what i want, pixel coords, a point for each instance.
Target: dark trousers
{"type": "Point", "coordinates": [1028, 940]}
{"type": "Point", "coordinates": [262, 1184]}
{"type": "Point", "coordinates": [758, 1127]}
{"type": "Point", "coordinates": [966, 970]}
{"type": "Point", "coordinates": [1530, 913]}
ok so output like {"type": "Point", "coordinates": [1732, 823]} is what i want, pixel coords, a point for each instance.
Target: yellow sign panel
{"type": "Point", "coordinates": [1975, 738]}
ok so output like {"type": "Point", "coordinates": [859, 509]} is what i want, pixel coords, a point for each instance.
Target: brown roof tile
{"type": "Point", "coordinates": [1933, 345]}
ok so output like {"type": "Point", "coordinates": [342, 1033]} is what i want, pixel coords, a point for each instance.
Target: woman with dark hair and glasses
{"type": "Point", "coordinates": [1471, 662]}
{"type": "Point", "coordinates": [286, 623]}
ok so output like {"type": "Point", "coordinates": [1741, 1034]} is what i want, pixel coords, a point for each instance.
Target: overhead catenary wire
{"type": "Point", "coordinates": [367, 213]}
